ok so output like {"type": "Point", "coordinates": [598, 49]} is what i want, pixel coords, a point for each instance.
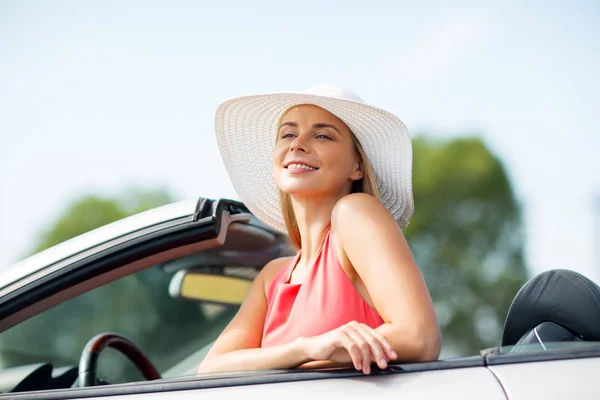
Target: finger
{"type": "Point", "coordinates": [363, 345]}
{"type": "Point", "coordinates": [352, 348]}
{"type": "Point", "coordinates": [386, 345]}
{"type": "Point", "coordinates": [375, 346]}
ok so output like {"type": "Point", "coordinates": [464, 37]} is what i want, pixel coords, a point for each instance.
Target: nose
{"type": "Point", "coordinates": [298, 144]}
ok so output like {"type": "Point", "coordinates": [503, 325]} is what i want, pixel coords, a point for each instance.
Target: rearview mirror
{"type": "Point", "coordinates": [205, 287]}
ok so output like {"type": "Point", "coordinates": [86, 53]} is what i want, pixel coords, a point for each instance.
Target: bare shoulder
{"type": "Point", "coordinates": [272, 268]}
{"type": "Point", "coordinates": [275, 265]}
{"type": "Point", "coordinates": [356, 208]}
{"type": "Point", "coordinates": [362, 225]}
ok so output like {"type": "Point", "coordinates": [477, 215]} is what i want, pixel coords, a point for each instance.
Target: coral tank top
{"type": "Point", "coordinates": [326, 300]}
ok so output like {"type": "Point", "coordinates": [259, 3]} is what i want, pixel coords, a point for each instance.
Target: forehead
{"type": "Point", "coordinates": [310, 112]}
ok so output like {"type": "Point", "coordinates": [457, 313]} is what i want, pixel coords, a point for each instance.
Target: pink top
{"type": "Point", "coordinates": [326, 300]}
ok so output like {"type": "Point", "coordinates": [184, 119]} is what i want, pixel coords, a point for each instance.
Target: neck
{"type": "Point", "coordinates": [313, 215]}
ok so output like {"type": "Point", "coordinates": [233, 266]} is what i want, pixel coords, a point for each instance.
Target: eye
{"type": "Point", "coordinates": [286, 135]}
{"type": "Point", "coordinates": [323, 136]}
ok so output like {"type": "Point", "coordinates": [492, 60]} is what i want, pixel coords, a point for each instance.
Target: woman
{"type": "Point", "coordinates": [335, 173]}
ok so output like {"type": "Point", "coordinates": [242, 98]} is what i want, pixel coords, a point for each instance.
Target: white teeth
{"type": "Point", "coordinates": [301, 166]}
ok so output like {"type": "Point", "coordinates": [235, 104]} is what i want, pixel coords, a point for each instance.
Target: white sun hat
{"type": "Point", "coordinates": [247, 128]}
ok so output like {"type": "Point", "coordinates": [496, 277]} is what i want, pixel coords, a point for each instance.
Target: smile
{"type": "Point", "coordinates": [300, 167]}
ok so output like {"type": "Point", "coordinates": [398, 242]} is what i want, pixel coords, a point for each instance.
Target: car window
{"type": "Point", "coordinates": [138, 307]}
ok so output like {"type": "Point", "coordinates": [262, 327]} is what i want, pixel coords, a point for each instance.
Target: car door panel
{"type": "Point", "coordinates": [462, 383]}
{"type": "Point", "coordinates": [561, 379]}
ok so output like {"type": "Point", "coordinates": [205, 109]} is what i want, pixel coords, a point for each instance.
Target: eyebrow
{"type": "Point", "coordinates": [315, 126]}
{"type": "Point", "coordinates": [321, 126]}
{"type": "Point", "coordinates": [292, 124]}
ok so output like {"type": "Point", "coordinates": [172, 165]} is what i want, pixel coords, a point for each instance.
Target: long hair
{"type": "Point", "coordinates": [366, 184]}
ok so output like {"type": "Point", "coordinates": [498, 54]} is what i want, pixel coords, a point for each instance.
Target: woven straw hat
{"type": "Point", "coordinates": [247, 128]}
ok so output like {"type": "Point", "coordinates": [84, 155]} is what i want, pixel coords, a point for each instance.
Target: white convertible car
{"type": "Point", "coordinates": [200, 257]}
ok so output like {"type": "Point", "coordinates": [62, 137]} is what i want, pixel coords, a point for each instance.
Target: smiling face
{"type": "Point", "coordinates": [315, 154]}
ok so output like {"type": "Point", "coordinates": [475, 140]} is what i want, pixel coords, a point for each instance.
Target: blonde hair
{"type": "Point", "coordinates": [366, 184]}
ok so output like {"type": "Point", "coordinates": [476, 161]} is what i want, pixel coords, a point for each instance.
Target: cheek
{"type": "Point", "coordinates": [338, 158]}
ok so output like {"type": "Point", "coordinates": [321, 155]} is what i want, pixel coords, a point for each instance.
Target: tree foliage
{"type": "Point", "coordinates": [466, 236]}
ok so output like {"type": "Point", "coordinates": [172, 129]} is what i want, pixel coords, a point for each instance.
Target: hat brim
{"type": "Point", "coordinates": [246, 129]}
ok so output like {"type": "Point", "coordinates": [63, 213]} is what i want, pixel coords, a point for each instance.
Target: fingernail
{"type": "Point", "coordinates": [382, 363]}
{"type": "Point", "coordinates": [394, 354]}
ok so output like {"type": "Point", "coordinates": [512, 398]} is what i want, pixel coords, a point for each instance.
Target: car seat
{"type": "Point", "coordinates": [555, 306]}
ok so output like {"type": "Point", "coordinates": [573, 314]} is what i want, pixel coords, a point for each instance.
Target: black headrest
{"type": "Point", "coordinates": [561, 296]}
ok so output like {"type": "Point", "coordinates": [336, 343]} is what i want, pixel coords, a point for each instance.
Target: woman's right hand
{"type": "Point", "coordinates": [353, 342]}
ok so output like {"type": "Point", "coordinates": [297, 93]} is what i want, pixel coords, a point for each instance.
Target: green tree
{"type": "Point", "coordinates": [467, 238]}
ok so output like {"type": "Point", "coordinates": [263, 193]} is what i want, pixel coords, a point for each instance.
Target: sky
{"type": "Point", "coordinates": [97, 97]}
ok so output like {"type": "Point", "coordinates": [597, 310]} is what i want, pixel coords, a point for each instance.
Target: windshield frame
{"type": "Point", "coordinates": [92, 239]}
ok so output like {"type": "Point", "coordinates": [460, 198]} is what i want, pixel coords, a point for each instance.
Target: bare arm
{"type": "Point", "coordinates": [372, 242]}
{"type": "Point", "coordinates": [289, 355]}
{"type": "Point", "coordinates": [238, 346]}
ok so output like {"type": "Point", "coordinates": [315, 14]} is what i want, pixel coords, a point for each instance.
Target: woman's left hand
{"type": "Point", "coordinates": [354, 343]}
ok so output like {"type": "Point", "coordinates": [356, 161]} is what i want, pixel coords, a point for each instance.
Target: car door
{"type": "Point", "coordinates": [568, 371]}
{"type": "Point", "coordinates": [465, 378]}
{"type": "Point", "coordinates": [460, 383]}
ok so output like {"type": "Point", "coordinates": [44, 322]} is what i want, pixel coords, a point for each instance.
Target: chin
{"type": "Point", "coordinates": [305, 187]}
{"type": "Point", "coordinates": [299, 188]}
{"type": "Point", "coordinates": [294, 190]}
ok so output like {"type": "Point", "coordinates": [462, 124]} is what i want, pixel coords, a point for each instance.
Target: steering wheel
{"type": "Point", "coordinates": [88, 363]}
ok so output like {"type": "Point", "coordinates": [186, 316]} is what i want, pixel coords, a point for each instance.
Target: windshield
{"type": "Point", "coordinates": [174, 334]}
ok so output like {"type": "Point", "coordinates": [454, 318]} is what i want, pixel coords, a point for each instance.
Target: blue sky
{"type": "Point", "coordinates": [100, 96]}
